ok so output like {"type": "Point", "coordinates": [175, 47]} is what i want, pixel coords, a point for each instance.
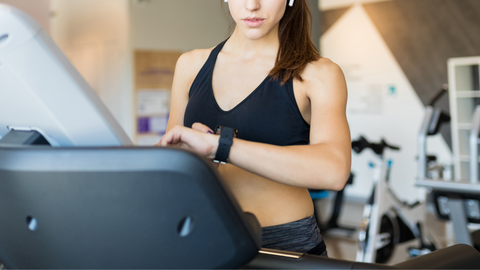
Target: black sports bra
{"type": "Point", "coordinates": [270, 114]}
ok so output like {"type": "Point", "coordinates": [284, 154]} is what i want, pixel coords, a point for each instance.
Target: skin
{"type": "Point", "coordinates": [267, 180]}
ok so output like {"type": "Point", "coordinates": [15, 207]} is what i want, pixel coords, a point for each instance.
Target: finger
{"type": "Point", "coordinates": [171, 138]}
{"type": "Point", "coordinates": [202, 128]}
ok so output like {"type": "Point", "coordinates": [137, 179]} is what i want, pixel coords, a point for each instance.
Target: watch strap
{"type": "Point", "coordinates": [224, 144]}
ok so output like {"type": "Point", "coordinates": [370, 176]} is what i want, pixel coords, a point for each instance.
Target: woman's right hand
{"type": "Point", "coordinates": [202, 128]}
{"type": "Point", "coordinates": [199, 138]}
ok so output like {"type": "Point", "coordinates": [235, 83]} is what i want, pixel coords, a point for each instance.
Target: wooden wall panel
{"type": "Point", "coordinates": [153, 84]}
{"type": "Point", "coordinates": [329, 17]}
{"type": "Point", "coordinates": [423, 34]}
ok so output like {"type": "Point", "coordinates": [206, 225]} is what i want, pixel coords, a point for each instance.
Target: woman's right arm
{"type": "Point", "coordinates": [187, 68]}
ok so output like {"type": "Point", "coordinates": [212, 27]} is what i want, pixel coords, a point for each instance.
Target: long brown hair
{"type": "Point", "coordinates": [296, 47]}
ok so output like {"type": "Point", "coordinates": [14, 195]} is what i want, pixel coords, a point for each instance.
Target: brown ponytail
{"type": "Point", "coordinates": [296, 47]}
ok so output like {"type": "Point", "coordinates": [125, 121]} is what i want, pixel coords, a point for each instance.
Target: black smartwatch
{"type": "Point", "coordinates": [224, 144]}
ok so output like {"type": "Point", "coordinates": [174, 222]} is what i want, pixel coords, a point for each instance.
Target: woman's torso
{"type": "Point", "coordinates": [237, 93]}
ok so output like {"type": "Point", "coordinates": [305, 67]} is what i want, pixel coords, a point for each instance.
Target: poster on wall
{"type": "Point", "coordinates": [153, 106]}
{"type": "Point", "coordinates": [153, 83]}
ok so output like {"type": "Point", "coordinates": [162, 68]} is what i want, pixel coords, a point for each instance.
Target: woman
{"type": "Point", "coordinates": [288, 104]}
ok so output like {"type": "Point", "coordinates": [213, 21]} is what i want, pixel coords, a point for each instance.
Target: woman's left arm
{"type": "Point", "coordinates": [324, 164]}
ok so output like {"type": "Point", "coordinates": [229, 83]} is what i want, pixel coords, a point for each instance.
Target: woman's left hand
{"type": "Point", "coordinates": [198, 138]}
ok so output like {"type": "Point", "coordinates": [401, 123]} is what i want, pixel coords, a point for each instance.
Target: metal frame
{"type": "Point", "coordinates": [467, 186]}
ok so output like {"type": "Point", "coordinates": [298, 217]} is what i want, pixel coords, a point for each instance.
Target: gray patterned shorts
{"type": "Point", "coordinates": [300, 236]}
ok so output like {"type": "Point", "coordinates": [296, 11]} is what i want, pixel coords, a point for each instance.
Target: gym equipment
{"type": "Point", "coordinates": [332, 222]}
{"type": "Point", "coordinates": [386, 220]}
{"type": "Point", "coordinates": [120, 208]}
{"type": "Point", "coordinates": [456, 200]}
{"type": "Point", "coordinates": [395, 221]}
{"type": "Point", "coordinates": [41, 91]}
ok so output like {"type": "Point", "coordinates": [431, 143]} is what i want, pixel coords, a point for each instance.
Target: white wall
{"type": "Point", "coordinates": [38, 9]}
{"type": "Point", "coordinates": [180, 25]}
{"type": "Point", "coordinates": [95, 36]}
{"type": "Point", "coordinates": [382, 103]}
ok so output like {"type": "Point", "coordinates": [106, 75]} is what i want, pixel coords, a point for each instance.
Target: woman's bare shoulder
{"type": "Point", "coordinates": [197, 56]}
{"type": "Point", "coordinates": [193, 60]}
{"type": "Point", "coordinates": [189, 64]}
{"type": "Point", "coordinates": [323, 74]}
{"type": "Point", "coordinates": [187, 67]}
{"type": "Point", "coordinates": [322, 69]}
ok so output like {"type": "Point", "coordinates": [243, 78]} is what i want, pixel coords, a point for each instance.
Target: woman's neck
{"type": "Point", "coordinates": [247, 48]}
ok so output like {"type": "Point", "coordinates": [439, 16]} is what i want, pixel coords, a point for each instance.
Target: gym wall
{"type": "Point", "coordinates": [394, 55]}
{"type": "Point", "coordinates": [177, 25]}
{"type": "Point", "coordinates": [95, 36]}
{"type": "Point", "coordinates": [38, 9]}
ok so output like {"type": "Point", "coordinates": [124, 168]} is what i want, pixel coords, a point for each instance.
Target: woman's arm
{"type": "Point", "coordinates": [186, 69]}
{"type": "Point", "coordinates": [324, 164]}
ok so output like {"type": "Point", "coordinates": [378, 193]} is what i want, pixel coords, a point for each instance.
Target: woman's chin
{"type": "Point", "coordinates": [254, 34]}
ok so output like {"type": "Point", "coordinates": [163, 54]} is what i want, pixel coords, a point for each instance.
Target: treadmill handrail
{"type": "Point", "coordinates": [422, 143]}
{"type": "Point", "coordinates": [474, 146]}
{"type": "Point", "coordinates": [452, 186]}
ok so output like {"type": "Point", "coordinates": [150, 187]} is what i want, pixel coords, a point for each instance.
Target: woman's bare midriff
{"type": "Point", "coordinates": [271, 202]}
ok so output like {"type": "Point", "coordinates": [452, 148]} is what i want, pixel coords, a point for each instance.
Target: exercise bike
{"type": "Point", "coordinates": [387, 221]}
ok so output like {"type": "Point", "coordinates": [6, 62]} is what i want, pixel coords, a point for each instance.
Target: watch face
{"type": "Point", "coordinates": [218, 130]}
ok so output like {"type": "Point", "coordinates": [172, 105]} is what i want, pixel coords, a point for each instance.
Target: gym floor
{"type": "Point", "coordinates": [341, 245]}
